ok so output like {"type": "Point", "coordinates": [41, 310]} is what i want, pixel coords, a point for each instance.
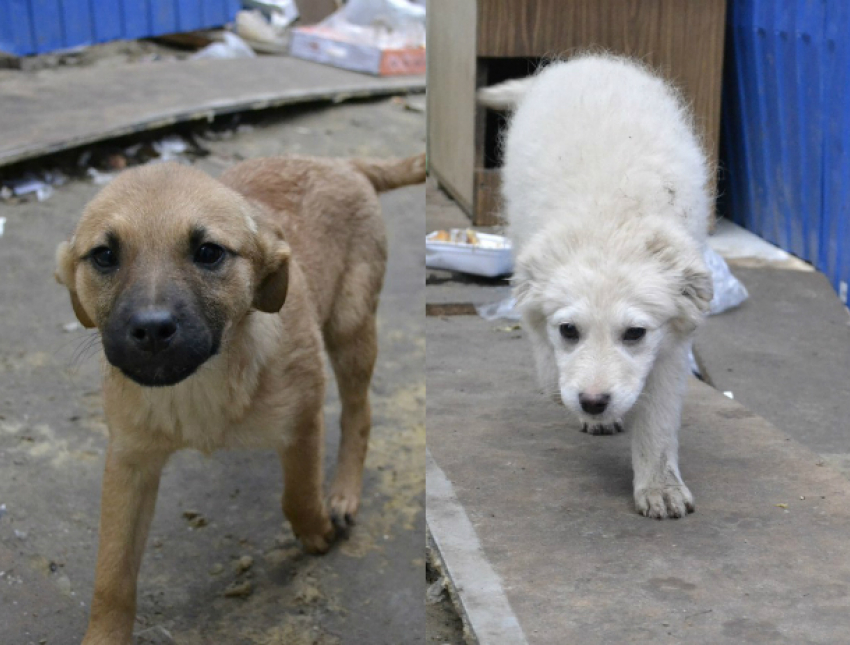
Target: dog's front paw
{"type": "Point", "coordinates": [344, 505]}
{"type": "Point", "coordinates": [319, 540]}
{"type": "Point", "coordinates": [614, 428]}
{"type": "Point", "coordinates": [671, 500]}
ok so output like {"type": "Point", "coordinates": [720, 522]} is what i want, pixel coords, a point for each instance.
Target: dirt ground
{"type": "Point", "coordinates": [369, 589]}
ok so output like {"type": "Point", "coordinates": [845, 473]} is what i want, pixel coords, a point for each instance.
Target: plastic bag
{"type": "Point", "coordinates": [387, 24]}
{"type": "Point", "coordinates": [729, 292]}
{"type": "Point", "coordinates": [232, 47]}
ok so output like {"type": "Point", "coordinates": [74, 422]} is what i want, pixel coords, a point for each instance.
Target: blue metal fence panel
{"type": "Point", "coordinates": [786, 126]}
{"type": "Point", "coordinates": [40, 26]}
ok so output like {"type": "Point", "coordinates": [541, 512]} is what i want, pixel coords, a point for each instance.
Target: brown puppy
{"type": "Point", "coordinates": [213, 299]}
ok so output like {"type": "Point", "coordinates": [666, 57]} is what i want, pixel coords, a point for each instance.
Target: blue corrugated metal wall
{"type": "Point", "coordinates": [39, 26]}
{"type": "Point", "coordinates": [786, 114]}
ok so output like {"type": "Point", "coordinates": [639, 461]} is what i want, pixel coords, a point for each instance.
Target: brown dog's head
{"type": "Point", "coordinates": [164, 260]}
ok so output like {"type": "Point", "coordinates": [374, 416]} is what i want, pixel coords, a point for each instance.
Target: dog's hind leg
{"type": "Point", "coordinates": [353, 358]}
{"type": "Point", "coordinates": [658, 486]}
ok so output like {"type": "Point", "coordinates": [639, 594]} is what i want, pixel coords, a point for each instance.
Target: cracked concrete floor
{"type": "Point", "coordinates": [369, 589]}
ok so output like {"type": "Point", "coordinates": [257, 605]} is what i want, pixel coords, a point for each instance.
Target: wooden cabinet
{"type": "Point", "coordinates": [474, 43]}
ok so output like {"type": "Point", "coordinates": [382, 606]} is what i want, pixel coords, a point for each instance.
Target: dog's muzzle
{"type": "Point", "coordinates": [156, 347]}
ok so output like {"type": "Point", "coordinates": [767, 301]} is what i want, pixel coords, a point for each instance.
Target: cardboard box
{"type": "Point", "coordinates": [330, 47]}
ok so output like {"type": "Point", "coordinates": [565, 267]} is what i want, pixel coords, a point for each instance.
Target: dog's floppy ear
{"type": "Point", "coordinates": [274, 281]}
{"type": "Point", "coordinates": [696, 291]}
{"type": "Point", "coordinates": [65, 270]}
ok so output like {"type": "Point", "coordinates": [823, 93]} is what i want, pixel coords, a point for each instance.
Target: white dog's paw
{"type": "Point", "coordinates": [615, 428]}
{"type": "Point", "coordinates": [671, 500]}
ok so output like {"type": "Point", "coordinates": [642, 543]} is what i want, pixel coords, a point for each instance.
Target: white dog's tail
{"type": "Point", "coordinates": [504, 96]}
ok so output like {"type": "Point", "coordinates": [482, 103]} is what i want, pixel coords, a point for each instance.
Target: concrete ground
{"type": "Point", "coordinates": [764, 559]}
{"type": "Point", "coordinates": [369, 589]}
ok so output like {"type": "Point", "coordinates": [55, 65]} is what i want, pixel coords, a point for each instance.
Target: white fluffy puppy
{"type": "Point", "coordinates": [605, 192]}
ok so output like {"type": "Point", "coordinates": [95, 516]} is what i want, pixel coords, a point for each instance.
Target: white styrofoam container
{"type": "Point", "coordinates": [491, 258]}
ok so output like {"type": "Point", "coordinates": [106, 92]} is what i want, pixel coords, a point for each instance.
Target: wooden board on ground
{"type": "Point", "coordinates": [53, 111]}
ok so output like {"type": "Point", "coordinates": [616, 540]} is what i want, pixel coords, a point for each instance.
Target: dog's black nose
{"type": "Point", "coordinates": [152, 329]}
{"type": "Point", "coordinates": [594, 404]}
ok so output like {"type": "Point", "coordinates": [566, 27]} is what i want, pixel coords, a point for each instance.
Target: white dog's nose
{"type": "Point", "coordinates": [594, 403]}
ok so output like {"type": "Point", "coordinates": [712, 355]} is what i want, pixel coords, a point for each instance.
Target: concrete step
{"type": "Point", "coordinates": [785, 355]}
{"type": "Point", "coordinates": [536, 526]}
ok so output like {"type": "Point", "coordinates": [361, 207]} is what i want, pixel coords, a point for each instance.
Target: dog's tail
{"type": "Point", "coordinates": [504, 96]}
{"type": "Point", "coordinates": [387, 174]}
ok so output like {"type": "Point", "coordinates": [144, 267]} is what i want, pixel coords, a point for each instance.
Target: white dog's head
{"type": "Point", "coordinates": [607, 301]}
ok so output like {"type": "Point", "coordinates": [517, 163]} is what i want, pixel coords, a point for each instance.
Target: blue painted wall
{"type": "Point", "coordinates": [786, 116]}
{"type": "Point", "coordinates": [40, 26]}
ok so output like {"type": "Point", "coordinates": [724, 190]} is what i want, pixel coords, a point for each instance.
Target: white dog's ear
{"type": "Point", "coordinates": [696, 291]}
{"type": "Point", "coordinates": [691, 280]}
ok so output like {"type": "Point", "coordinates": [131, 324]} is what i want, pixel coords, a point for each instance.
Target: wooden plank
{"type": "Point", "coordinates": [451, 95]}
{"type": "Point", "coordinates": [101, 103]}
{"type": "Point", "coordinates": [682, 38]}
{"type": "Point", "coordinates": [488, 197]}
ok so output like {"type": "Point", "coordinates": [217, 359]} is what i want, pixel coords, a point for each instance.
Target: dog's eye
{"type": "Point", "coordinates": [104, 257]}
{"type": "Point", "coordinates": [569, 331]}
{"type": "Point", "coordinates": [209, 255]}
{"type": "Point", "coordinates": [633, 334]}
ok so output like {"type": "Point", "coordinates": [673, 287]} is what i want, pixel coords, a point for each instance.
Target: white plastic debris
{"type": "Point", "coordinates": [100, 178]}
{"type": "Point", "coordinates": [729, 292]}
{"type": "Point", "coordinates": [2, 510]}
{"type": "Point", "coordinates": [171, 147]}
{"type": "Point", "coordinates": [281, 13]}
{"type": "Point", "coordinates": [232, 47]}
{"type": "Point", "coordinates": [31, 185]}
{"type": "Point", "coordinates": [394, 24]}
{"type": "Point", "coordinates": [2, 225]}
{"type": "Point", "coordinates": [469, 251]}
{"type": "Point", "coordinates": [499, 310]}
{"type": "Point", "coordinates": [729, 395]}
{"type": "Point", "coordinates": [252, 25]}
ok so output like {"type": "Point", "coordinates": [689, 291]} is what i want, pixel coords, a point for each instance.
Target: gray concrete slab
{"type": "Point", "coordinates": [785, 355]}
{"type": "Point", "coordinates": [553, 511]}
{"type": "Point", "coordinates": [46, 112]}
{"type": "Point", "coordinates": [369, 589]}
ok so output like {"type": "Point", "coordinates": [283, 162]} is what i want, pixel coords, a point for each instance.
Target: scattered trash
{"type": "Point", "coordinates": [253, 27]}
{"type": "Point", "coordinates": [71, 326]}
{"type": "Point", "coordinates": [100, 178]}
{"type": "Point", "coordinates": [170, 147]}
{"type": "Point", "coordinates": [232, 47]}
{"type": "Point", "coordinates": [514, 327]}
{"type": "Point", "coordinates": [782, 505]}
{"type": "Point", "coordinates": [499, 310]}
{"type": "Point", "coordinates": [729, 292]}
{"type": "Point", "coordinates": [243, 564]}
{"type": "Point", "coordinates": [241, 589]}
{"type": "Point", "coordinates": [2, 225]}
{"type": "Point", "coordinates": [729, 395]}
{"type": "Point", "coordinates": [31, 185]}
{"type": "Point", "coordinates": [382, 37]}
{"type": "Point", "coordinates": [64, 584]}
{"type": "Point", "coordinates": [434, 593]}
{"type": "Point", "coordinates": [21, 535]}
{"type": "Point", "coordinates": [469, 251]}
{"type": "Point", "coordinates": [802, 497]}
{"type": "Point", "coordinates": [2, 510]}
{"type": "Point", "coordinates": [196, 520]}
